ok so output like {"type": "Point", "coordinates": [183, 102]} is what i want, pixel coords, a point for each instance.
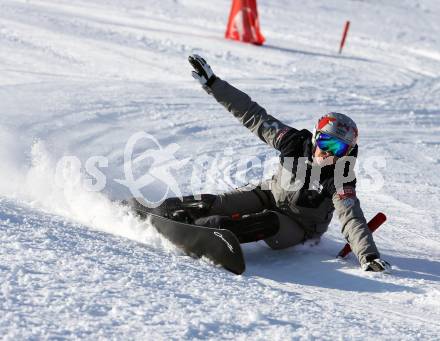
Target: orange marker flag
{"type": "Point", "coordinates": [243, 24]}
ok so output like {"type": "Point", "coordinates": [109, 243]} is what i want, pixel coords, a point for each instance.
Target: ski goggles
{"type": "Point", "coordinates": [331, 144]}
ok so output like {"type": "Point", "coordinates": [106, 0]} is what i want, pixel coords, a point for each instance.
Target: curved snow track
{"type": "Point", "coordinates": [80, 78]}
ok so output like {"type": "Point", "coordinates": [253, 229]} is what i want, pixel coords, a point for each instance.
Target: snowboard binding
{"type": "Point", "coordinates": [187, 210]}
{"type": "Point", "coordinates": [248, 228]}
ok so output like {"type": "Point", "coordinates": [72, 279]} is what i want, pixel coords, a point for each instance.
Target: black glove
{"type": "Point", "coordinates": [203, 72]}
{"type": "Point", "coordinates": [376, 265]}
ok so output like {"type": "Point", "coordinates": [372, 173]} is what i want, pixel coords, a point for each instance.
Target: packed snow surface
{"type": "Point", "coordinates": [78, 79]}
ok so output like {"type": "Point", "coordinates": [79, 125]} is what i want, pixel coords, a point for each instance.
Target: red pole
{"type": "Point", "coordinates": [344, 36]}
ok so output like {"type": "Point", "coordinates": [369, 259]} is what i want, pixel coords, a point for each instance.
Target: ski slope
{"type": "Point", "coordinates": [79, 78]}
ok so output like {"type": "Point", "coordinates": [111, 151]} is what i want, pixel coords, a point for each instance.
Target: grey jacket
{"type": "Point", "coordinates": [309, 202]}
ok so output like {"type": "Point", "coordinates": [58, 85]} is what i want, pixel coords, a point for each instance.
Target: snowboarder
{"type": "Point", "coordinates": [278, 210]}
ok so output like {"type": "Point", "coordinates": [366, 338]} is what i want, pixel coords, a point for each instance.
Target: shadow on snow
{"type": "Point", "coordinates": [316, 267]}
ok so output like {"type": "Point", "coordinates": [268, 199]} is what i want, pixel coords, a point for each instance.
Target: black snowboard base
{"type": "Point", "coordinates": [219, 245]}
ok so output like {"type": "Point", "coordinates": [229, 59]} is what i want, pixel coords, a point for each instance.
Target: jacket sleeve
{"type": "Point", "coordinates": [354, 225]}
{"type": "Point", "coordinates": [250, 114]}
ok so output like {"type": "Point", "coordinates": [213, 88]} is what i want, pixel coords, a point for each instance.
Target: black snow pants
{"type": "Point", "coordinates": [248, 200]}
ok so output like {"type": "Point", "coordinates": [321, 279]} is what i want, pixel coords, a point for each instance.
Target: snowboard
{"type": "Point", "coordinates": [220, 246]}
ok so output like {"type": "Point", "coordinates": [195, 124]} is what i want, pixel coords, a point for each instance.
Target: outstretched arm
{"type": "Point", "coordinates": [249, 113]}
{"type": "Point", "coordinates": [356, 231]}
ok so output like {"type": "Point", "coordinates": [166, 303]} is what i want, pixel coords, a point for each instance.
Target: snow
{"type": "Point", "coordinates": [79, 78]}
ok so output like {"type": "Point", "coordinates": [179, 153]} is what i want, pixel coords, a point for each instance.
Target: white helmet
{"type": "Point", "coordinates": [337, 125]}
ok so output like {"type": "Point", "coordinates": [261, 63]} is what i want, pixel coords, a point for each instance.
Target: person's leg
{"type": "Point", "coordinates": [170, 206]}
{"type": "Point", "coordinates": [244, 211]}
{"type": "Point", "coordinates": [243, 200]}
{"type": "Point", "coordinates": [248, 228]}
{"type": "Point", "coordinates": [289, 233]}
{"type": "Point", "coordinates": [240, 201]}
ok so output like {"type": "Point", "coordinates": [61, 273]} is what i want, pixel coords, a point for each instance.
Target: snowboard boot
{"type": "Point", "coordinates": [186, 210]}
{"type": "Point", "coordinates": [248, 228]}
